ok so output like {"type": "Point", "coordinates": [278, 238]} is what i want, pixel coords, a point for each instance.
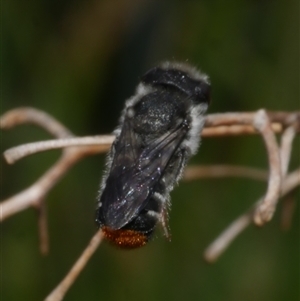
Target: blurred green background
{"type": "Point", "coordinates": [79, 61]}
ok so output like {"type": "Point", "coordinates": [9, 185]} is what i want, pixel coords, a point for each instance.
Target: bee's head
{"type": "Point", "coordinates": [181, 76]}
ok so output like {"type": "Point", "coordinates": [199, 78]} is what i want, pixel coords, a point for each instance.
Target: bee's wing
{"type": "Point", "coordinates": [134, 174]}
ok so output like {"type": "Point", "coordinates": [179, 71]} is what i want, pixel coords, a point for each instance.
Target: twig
{"type": "Point", "coordinates": [58, 293]}
{"type": "Point", "coordinates": [288, 204]}
{"type": "Point", "coordinates": [37, 117]}
{"type": "Point", "coordinates": [220, 171]}
{"type": "Point", "coordinates": [33, 195]}
{"type": "Point", "coordinates": [222, 119]}
{"type": "Point", "coordinates": [16, 153]}
{"type": "Point", "coordinates": [220, 244]}
{"type": "Point", "coordinates": [235, 130]}
{"type": "Point", "coordinates": [286, 148]}
{"type": "Point", "coordinates": [43, 228]}
{"type": "Point", "coordinates": [267, 207]}
{"type": "Point", "coordinates": [287, 212]}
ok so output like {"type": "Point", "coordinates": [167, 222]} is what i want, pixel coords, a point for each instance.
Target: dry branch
{"type": "Point", "coordinates": [36, 117]}
{"type": "Point", "coordinates": [221, 171]}
{"type": "Point", "coordinates": [220, 244]}
{"type": "Point", "coordinates": [266, 208]}
{"type": "Point", "coordinates": [58, 293]}
{"type": "Point", "coordinates": [16, 153]}
{"type": "Point", "coordinates": [287, 212]}
{"type": "Point", "coordinates": [43, 228]}
{"type": "Point", "coordinates": [290, 182]}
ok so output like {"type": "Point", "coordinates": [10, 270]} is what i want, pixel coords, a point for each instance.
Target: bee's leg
{"type": "Point", "coordinates": [175, 169]}
{"type": "Point", "coordinates": [164, 219]}
{"type": "Point", "coordinates": [163, 215]}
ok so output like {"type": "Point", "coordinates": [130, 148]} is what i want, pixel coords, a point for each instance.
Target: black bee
{"type": "Point", "coordinates": [159, 130]}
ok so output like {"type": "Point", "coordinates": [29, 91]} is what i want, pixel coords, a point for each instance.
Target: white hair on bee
{"type": "Point", "coordinates": [185, 67]}
{"type": "Point", "coordinates": [197, 123]}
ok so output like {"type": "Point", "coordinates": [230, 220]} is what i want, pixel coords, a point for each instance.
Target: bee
{"type": "Point", "coordinates": [159, 130]}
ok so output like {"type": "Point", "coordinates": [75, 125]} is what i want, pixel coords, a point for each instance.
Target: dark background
{"type": "Point", "coordinates": [79, 61]}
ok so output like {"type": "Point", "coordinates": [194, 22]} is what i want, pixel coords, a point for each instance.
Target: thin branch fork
{"type": "Point", "coordinates": [266, 209]}
{"type": "Point", "coordinates": [290, 182]}
{"type": "Point", "coordinates": [222, 242]}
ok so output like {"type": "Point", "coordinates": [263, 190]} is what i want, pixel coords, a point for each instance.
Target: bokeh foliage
{"type": "Point", "coordinates": [79, 61]}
